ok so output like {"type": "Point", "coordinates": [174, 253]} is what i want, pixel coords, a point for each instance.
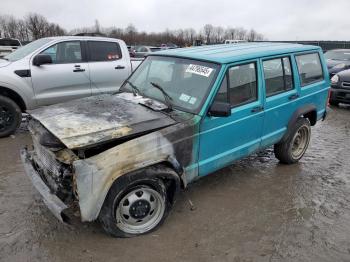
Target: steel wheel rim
{"type": "Point", "coordinates": [140, 210]}
{"type": "Point", "coordinates": [300, 142]}
{"type": "Point", "coordinates": [5, 117]}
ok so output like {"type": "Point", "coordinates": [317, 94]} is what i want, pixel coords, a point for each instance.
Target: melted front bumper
{"type": "Point", "coordinates": [56, 205]}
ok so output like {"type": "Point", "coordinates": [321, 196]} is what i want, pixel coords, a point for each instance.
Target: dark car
{"type": "Point", "coordinates": [337, 60]}
{"type": "Point", "coordinates": [340, 90]}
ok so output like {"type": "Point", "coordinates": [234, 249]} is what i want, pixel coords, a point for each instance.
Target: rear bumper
{"type": "Point", "coordinates": [340, 95]}
{"type": "Point", "coordinates": [55, 204]}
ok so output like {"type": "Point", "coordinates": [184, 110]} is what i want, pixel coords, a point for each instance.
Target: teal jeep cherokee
{"type": "Point", "coordinates": [183, 114]}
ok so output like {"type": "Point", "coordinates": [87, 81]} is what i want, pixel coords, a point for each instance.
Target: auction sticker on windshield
{"type": "Point", "coordinates": [199, 70]}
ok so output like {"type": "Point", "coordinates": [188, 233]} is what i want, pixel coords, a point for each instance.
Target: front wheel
{"type": "Point", "coordinates": [292, 149]}
{"type": "Point", "coordinates": [136, 204]}
{"type": "Point", "coordinates": [10, 116]}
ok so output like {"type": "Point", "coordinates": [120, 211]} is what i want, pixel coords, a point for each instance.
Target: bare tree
{"type": "Point", "coordinates": [254, 36]}
{"type": "Point", "coordinates": [241, 33]}
{"type": "Point", "coordinates": [189, 36]}
{"type": "Point", "coordinates": [23, 32]}
{"type": "Point", "coordinates": [130, 33]}
{"type": "Point", "coordinates": [231, 33]}
{"type": "Point", "coordinates": [97, 26]}
{"type": "Point", "coordinates": [218, 33]}
{"type": "Point", "coordinates": [37, 25]}
{"type": "Point", "coordinates": [208, 30]}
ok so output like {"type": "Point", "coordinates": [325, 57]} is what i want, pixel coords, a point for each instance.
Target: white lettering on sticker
{"type": "Point", "coordinates": [199, 70]}
{"type": "Point", "coordinates": [184, 97]}
{"type": "Point", "coordinates": [192, 101]}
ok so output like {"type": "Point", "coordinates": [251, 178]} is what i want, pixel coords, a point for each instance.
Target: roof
{"type": "Point", "coordinates": [229, 53]}
{"type": "Point", "coordinates": [73, 37]}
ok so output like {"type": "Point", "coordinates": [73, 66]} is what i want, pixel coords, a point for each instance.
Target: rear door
{"type": "Point", "coordinates": [66, 78]}
{"type": "Point", "coordinates": [281, 96]}
{"type": "Point", "coordinates": [108, 67]}
{"type": "Point", "coordinates": [225, 139]}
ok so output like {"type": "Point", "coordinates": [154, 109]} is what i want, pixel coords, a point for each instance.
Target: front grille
{"type": "Point", "coordinates": [46, 159]}
{"type": "Point", "coordinates": [56, 175]}
{"type": "Point", "coordinates": [346, 85]}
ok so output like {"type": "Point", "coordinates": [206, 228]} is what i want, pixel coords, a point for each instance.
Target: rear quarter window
{"type": "Point", "coordinates": [310, 68]}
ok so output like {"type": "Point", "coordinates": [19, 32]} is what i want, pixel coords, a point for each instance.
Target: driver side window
{"type": "Point", "coordinates": [239, 86]}
{"type": "Point", "coordinates": [65, 52]}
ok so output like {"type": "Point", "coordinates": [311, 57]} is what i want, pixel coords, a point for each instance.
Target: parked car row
{"type": "Point", "coordinates": [142, 51]}
{"type": "Point", "coordinates": [338, 63]}
{"type": "Point", "coordinates": [57, 69]}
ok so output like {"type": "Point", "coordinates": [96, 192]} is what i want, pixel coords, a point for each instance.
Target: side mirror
{"type": "Point", "coordinates": [220, 109]}
{"type": "Point", "coordinates": [42, 59]}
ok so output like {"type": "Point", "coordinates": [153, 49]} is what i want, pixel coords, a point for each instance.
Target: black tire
{"type": "Point", "coordinates": [285, 150]}
{"type": "Point", "coordinates": [10, 116]}
{"type": "Point", "coordinates": [333, 103]}
{"type": "Point", "coordinates": [151, 178]}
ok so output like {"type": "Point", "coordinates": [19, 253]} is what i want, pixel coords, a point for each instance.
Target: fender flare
{"type": "Point", "coordinates": [90, 212]}
{"type": "Point", "coordinates": [309, 109]}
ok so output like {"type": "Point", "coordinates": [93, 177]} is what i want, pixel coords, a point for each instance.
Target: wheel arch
{"type": "Point", "coordinates": [91, 208]}
{"type": "Point", "coordinates": [13, 95]}
{"type": "Point", "coordinates": [307, 111]}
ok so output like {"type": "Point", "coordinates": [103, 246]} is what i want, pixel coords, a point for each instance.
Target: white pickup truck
{"type": "Point", "coordinates": [57, 69]}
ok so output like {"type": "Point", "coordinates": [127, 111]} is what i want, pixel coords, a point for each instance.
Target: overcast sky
{"type": "Point", "coordinates": [276, 20]}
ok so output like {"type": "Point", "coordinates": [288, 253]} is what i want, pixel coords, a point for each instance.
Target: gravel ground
{"type": "Point", "coordinates": [254, 210]}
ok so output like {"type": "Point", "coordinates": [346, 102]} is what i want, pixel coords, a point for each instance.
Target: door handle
{"type": "Point", "coordinates": [293, 97]}
{"type": "Point", "coordinates": [78, 70]}
{"type": "Point", "coordinates": [257, 109]}
{"type": "Point", "coordinates": [119, 67]}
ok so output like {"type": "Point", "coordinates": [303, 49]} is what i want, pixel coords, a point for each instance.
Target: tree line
{"type": "Point", "coordinates": [34, 26]}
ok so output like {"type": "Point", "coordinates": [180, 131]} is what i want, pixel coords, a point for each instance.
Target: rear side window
{"type": "Point", "coordinates": [242, 84]}
{"type": "Point", "coordinates": [310, 69]}
{"type": "Point", "coordinates": [278, 75]}
{"type": "Point", "coordinates": [104, 51]}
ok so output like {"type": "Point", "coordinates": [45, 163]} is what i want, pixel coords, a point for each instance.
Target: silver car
{"type": "Point", "coordinates": [142, 51]}
{"type": "Point", "coordinates": [57, 69]}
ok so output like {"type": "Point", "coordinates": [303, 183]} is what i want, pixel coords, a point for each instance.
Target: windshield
{"type": "Point", "coordinates": [187, 82]}
{"type": "Point", "coordinates": [27, 49]}
{"type": "Point", "coordinates": [338, 55]}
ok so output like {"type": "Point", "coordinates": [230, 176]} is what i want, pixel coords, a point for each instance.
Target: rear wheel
{"type": "Point", "coordinates": [292, 149]}
{"type": "Point", "coordinates": [10, 116]}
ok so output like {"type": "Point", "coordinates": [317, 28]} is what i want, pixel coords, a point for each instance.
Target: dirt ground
{"type": "Point", "coordinates": [254, 210]}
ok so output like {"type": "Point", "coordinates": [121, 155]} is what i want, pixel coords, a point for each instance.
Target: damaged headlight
{"type": "Point", "coordinates": [335, 80]}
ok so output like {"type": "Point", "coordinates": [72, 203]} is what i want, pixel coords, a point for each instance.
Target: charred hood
{"type": "Point", "coordinates": [96, 120]}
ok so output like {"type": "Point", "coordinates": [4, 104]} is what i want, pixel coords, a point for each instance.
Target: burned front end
{"type": "Point", "coordinates": [81, 149]}
{"type": "Point", "coordinates": [49, 165]}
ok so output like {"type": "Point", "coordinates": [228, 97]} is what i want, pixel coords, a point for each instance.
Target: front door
{"type": "Point", "coordinates": [108, 68]}
{"type": "Point", "coordinates": [65, 79]}
{"type": "Point", "coordinates": [225, 139]}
